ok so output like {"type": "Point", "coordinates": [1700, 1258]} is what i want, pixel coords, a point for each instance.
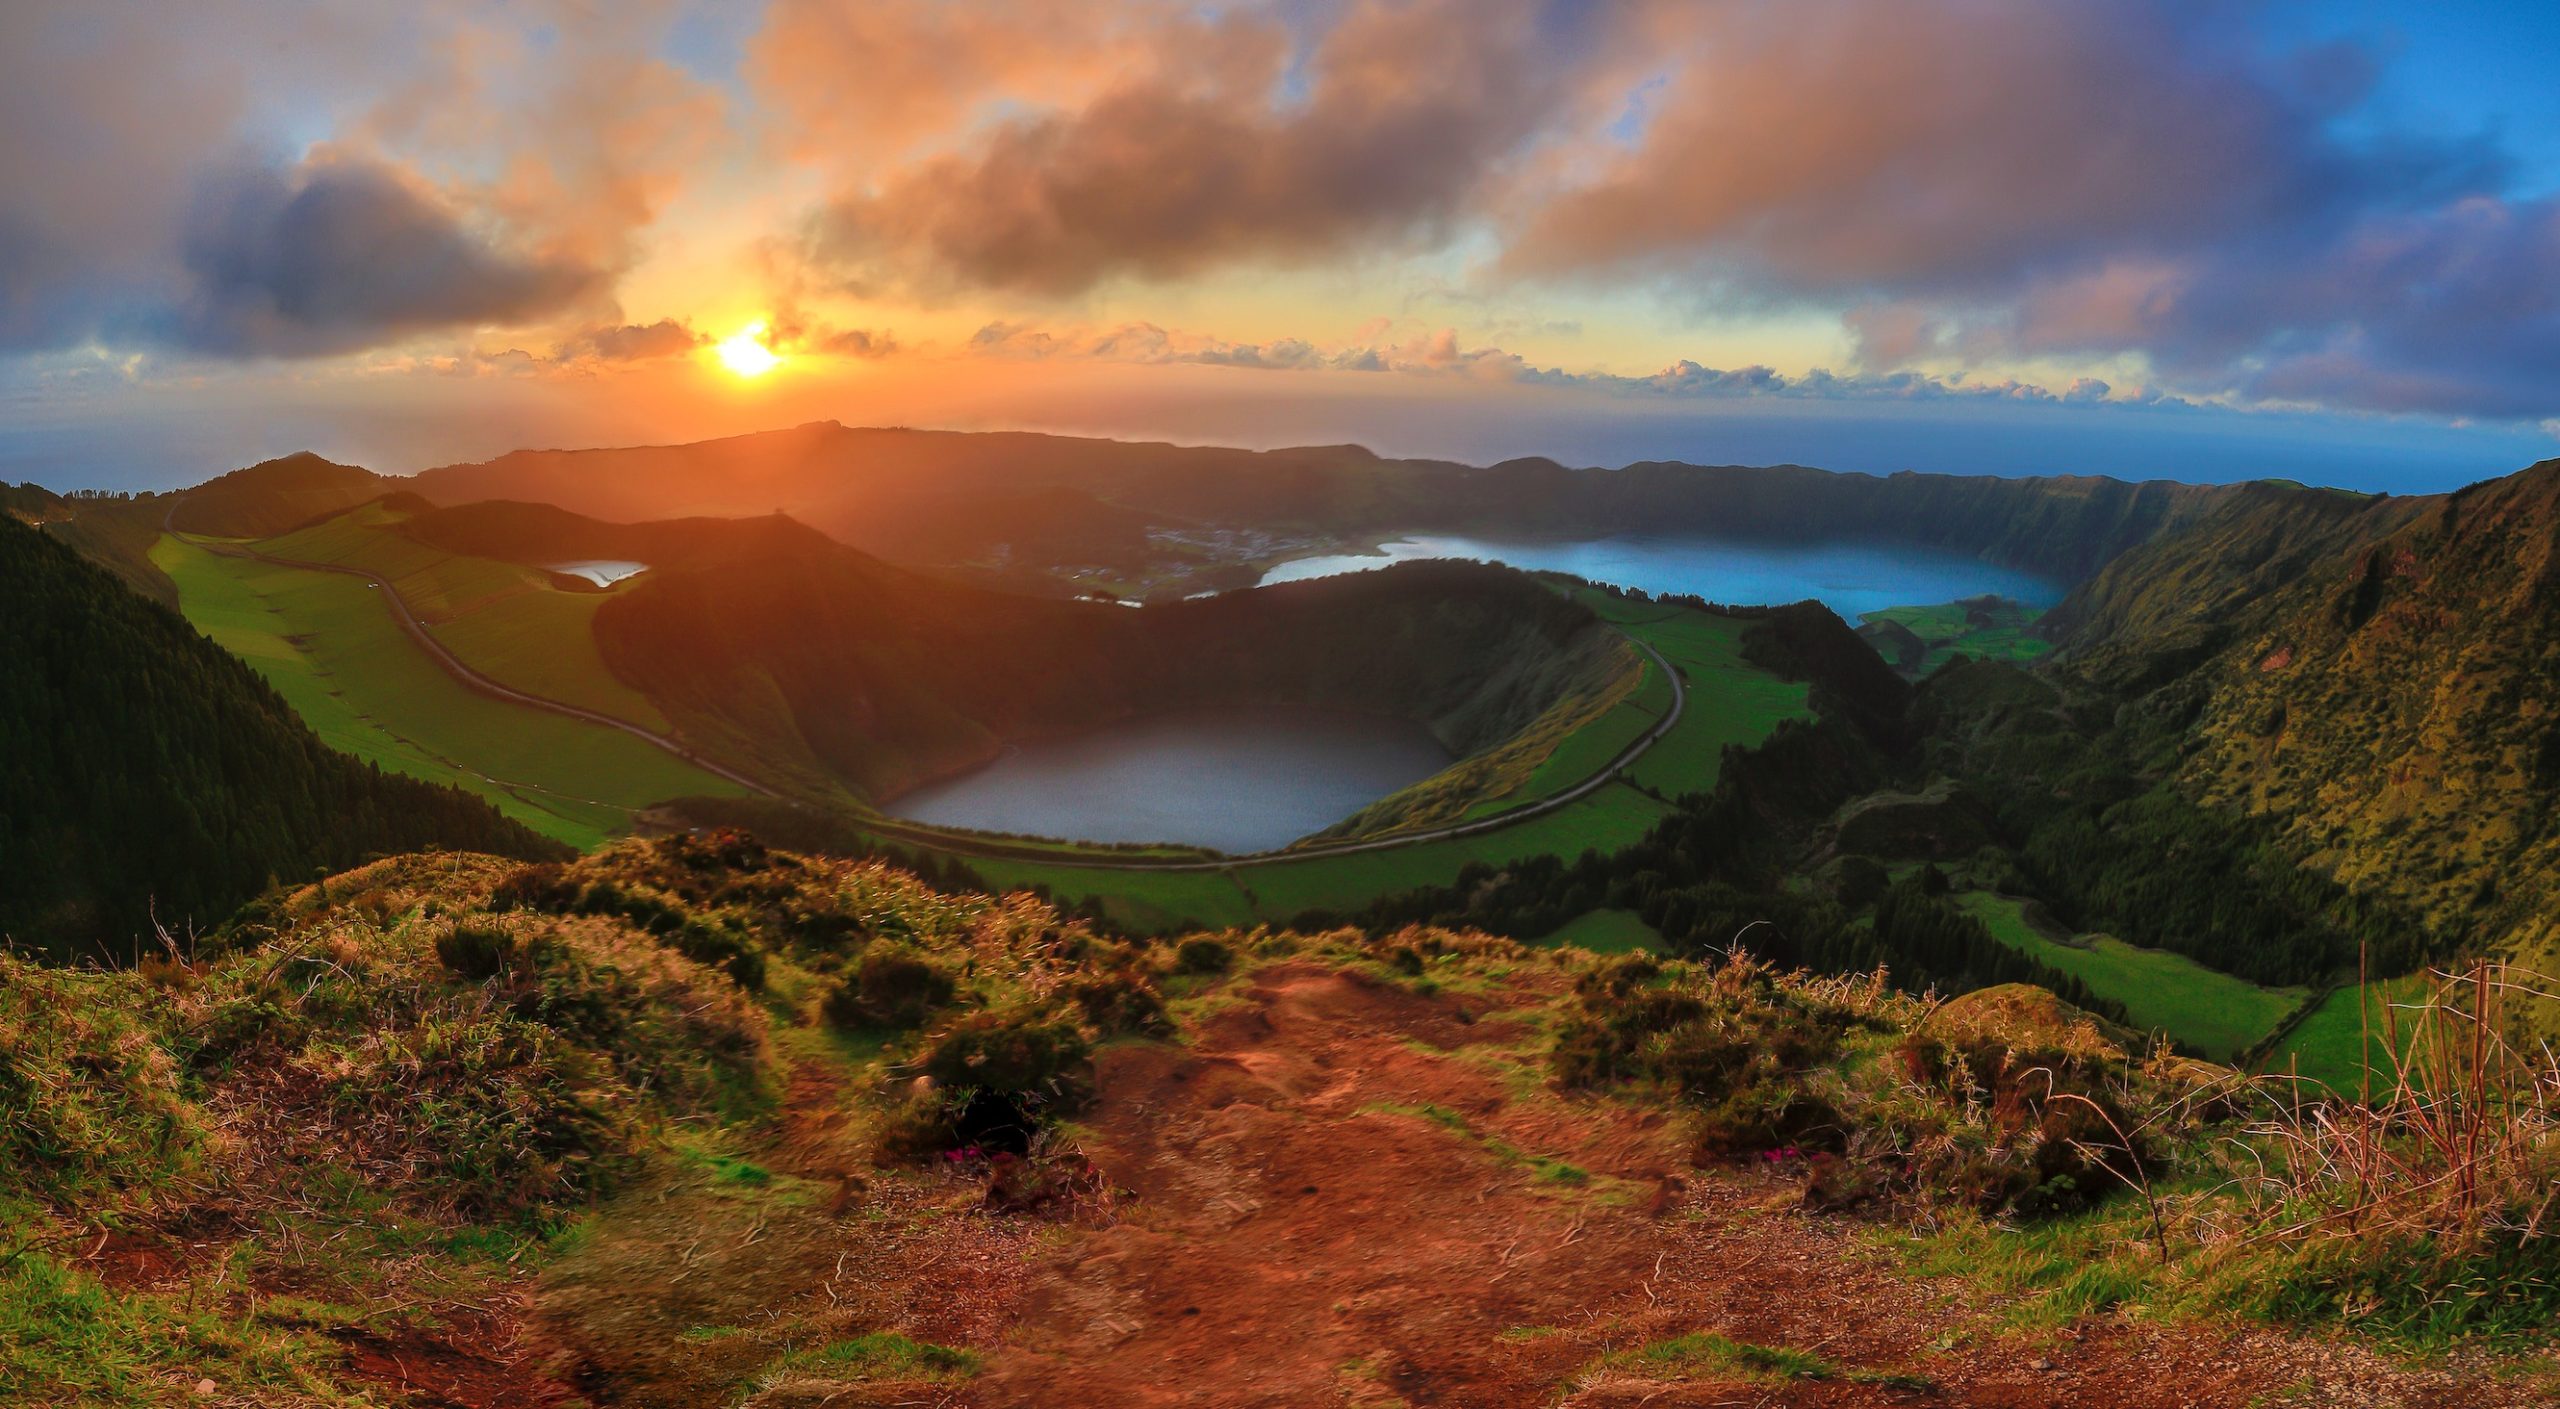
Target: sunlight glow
{"type": "Point", "coordinates": [744, 352]}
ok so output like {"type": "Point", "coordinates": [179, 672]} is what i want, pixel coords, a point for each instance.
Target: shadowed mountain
{"type": "Point", "coordinates": [275, 495]}
{"type": "Point", "coordinates": [935, 496]}
{"type": "Point", "coordinates": [783, 651]}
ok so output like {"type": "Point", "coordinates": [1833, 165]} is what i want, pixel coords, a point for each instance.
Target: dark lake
{"type": "Point", "coordinates": [1850, 578]}
{"type": "Point", "coordinates": [1239, 780]}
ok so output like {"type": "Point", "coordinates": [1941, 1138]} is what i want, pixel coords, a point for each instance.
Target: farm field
{"type": "Point", "coordinates": [2330, 1044]}
{"type": "Point", "coordinates": [1731, 701]}
{"type": "Point", "coordinates": [328, 645]}
{"type": "Point", "coordinates": [507, 622]}
{"type": "Point", "coordinates": [2211, 1012]}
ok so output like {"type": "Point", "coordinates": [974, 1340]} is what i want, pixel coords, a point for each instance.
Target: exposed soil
{"type": "Point", "coordinates": [1337, 1190]}
{"type": "Point", "coordinates": [1302, 1236]}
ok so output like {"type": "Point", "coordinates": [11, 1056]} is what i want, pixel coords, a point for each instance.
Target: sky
{"type": "Point", "coordinates": [2150, 239]}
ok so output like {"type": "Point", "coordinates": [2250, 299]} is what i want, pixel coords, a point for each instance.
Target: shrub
{"type": "Point", "coordinates": [725, 947]}
{"type": "Point", "coordinates": [1033, 1056]}
{"type": "Point", "coordinates": [892, 986]}
{"type": "Point", "coordinates": [1118, 1002]}
{"type": "Point", "coordinates": [89, 1096]}
{"type": "Point", "coordinates": [1202, 954]}
{"type": "Point", "coordinates": [543, 886]}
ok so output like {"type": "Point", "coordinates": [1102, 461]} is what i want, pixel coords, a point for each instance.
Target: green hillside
{"type": "Point", "coordinates": [325, 642]}
{"type": "Point", "coordinates": [148, 777]}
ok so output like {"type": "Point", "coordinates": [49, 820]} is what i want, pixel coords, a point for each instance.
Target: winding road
{"type": "Point", "coordinates": [961, 844]}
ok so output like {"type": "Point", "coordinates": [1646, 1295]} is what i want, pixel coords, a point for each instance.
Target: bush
{"type": "Point", "coordinates": [892, 986]}
{"type": "Point", "coordinates": [89, 1096]}
{"type": "Point", "coordinates": [1202, 954]}
{"type": "Point", "coordinates": [1118, 1002]}
{"type": "Point", "coordinates": [1037, 1057]}
{"type": "Point", "coordinates": [725, 947]}
{"type": "Point", "coordinates": [475, 954]}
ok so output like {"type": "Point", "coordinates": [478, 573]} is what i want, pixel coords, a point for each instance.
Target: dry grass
{"type": "Point", "coordinates": [2457, 1149]}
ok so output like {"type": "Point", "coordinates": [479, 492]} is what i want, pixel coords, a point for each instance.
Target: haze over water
{"type": "Point", "coordinates": [1850, 578]}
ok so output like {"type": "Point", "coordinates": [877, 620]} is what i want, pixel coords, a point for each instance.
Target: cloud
{"type": "Point", "coordinates": [479, 167]}
{"type": "Point", "coordinates": [632, 342]}
{"type": "Point", "coordinates": [1232, 144]}
{"type": "Point", "coordinates": [1845, 147]}
{"type": "Point", "coordinates": [335, 255]}
{"type": "Point", "coordinates": [1984, 181]}
{"type": "Point", "coordinates": [1441, 354]}
{"type": "Point", "coordinates": [791, 331]}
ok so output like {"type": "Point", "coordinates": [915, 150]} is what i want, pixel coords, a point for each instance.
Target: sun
{"type": "Point", "coordinates": [744, 352]}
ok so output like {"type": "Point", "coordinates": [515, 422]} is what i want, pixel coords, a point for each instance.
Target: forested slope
{"type": "Point", "coordinates": [145, 773]}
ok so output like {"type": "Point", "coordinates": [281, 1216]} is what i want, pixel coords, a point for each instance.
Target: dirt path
{"type": "Point", "coordinates": [1349, 1193]}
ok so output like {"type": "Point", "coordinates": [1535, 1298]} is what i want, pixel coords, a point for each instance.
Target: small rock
{"type": "Point", "coordinates": [2041, 1364]}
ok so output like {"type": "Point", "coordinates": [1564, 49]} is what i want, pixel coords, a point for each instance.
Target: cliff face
{"type": "Point", "coordinates": [2380, 676]}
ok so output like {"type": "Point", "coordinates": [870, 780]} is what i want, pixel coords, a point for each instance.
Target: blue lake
{"type": "Point", "coordinates": [1850, 578]}
{"type": "Point", "coordinates": [1240, 780]}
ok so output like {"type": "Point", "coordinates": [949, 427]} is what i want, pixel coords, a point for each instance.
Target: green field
{"type": "Point", "coordinates": [2330, 1044]}
{"type": "Point", "coordinates": [1731, 701]}
{"type": "Point", "coordinates": [1607, 932]}
{"type": "Point", "coordinates": [509, 623]}
{"type": "Point", "coordinates": [2211, 1012]}
{"type": "Point", "coordinates": [1949, 630]}
{"type": "Point", "coordinates": [329, 646]}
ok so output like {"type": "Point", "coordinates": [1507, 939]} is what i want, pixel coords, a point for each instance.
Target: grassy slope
{"type": "Point", "coordinates": [2328, 1044]}
{"type": "Point", "coordinates": [2211, 1012]}
{"type": "Point", "coordinates": [1731, 701]}
{"type": "Point", "coordinates": [329, 647]}
{"type": "Point", "coordinates": [507, 622]}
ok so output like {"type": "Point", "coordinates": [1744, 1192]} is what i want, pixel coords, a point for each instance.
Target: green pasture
{"type": "Point", "coordinates": [2331, 1043]}
{"type": "Point", "coordinates": [510, 623]}
{"type": "Point", "coordinates": [1948, 630]}
{"type": "Point", "coordinates": [330, 647]}
{"type": "Point", "coordinates": [2211, 1012]}
{"type": "Point", "coordinates": [1607, 932]}
{"type": "Point", "coordinates": [1731, 701]}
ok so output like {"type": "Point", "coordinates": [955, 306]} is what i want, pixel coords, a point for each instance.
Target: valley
{"type": "Point", "coordinates": [1374, 704]}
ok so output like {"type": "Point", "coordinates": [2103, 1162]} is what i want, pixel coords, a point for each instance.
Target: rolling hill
{"type": "Point", "coordinates": [274, 495]}
{"type": "Point", "coordinates": [772, 645]}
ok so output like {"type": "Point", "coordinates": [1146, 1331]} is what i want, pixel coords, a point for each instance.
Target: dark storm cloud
{"type": "Point", "coordinates": [343, 255]}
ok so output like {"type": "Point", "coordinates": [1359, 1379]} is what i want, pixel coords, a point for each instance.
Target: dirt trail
{"type": "Point", "coordinates": [1349, 1193]}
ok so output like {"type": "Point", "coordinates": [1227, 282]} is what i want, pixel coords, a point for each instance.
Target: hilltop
{"type": "Point", "coordinates": [691, 1121]}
